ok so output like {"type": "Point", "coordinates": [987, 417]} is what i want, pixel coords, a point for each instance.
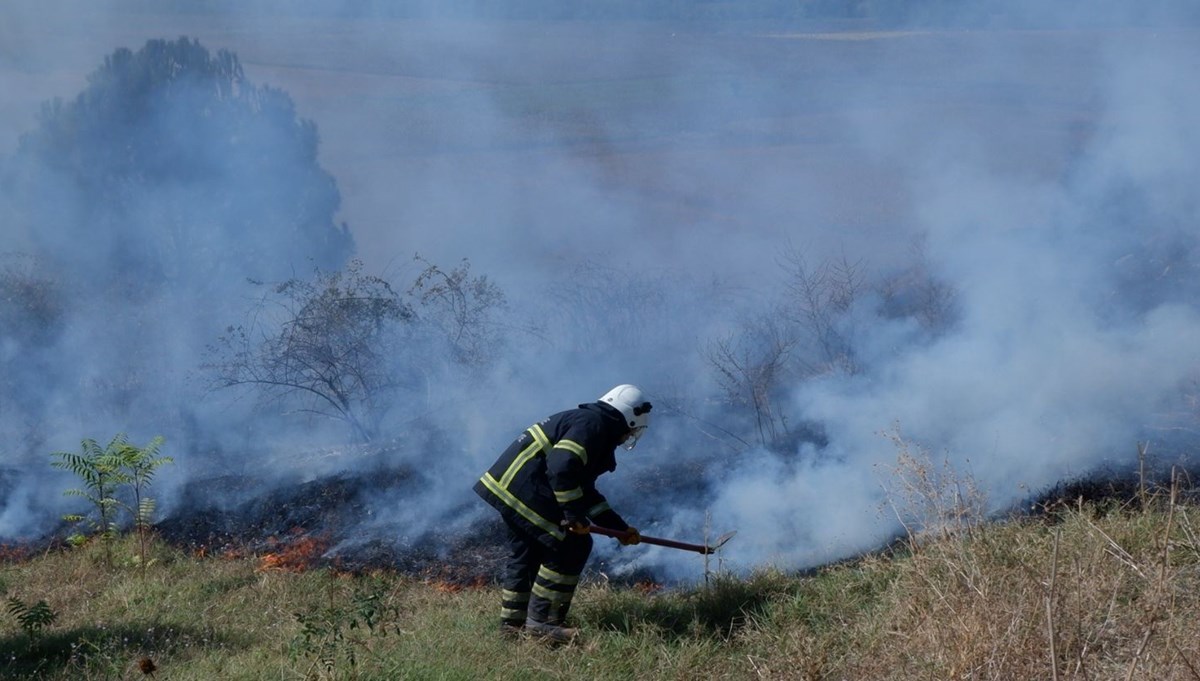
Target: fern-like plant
{"type": "Point", "coordinates": [137, 465]}
{"type": "Point", "coordinates": [32, 618]}
{"type": "Point", "coordinates": [106, 472]}
{"type": "Point", "coordinates": [100, 470]}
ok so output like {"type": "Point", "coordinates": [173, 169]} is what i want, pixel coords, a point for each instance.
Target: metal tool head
{"type": "Point", "coordinates": [712, 548]}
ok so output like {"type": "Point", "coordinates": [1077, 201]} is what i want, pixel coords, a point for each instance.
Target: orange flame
{"type": "Point", "coordinates": [444, 581]}
{"type": "Point", "coordinates": [13, 553]}
{"type": "Point", "coordinates": [647, 587]}
{"type": "Point", "coordinates": [446, 587]}
{"type": "Point", "coordinates": [296, 556]}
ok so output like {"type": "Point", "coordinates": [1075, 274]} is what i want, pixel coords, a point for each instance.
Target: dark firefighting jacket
{"type": "Point", "coordinates": [548, 474]}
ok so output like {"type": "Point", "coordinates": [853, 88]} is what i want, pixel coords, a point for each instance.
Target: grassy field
{"type": "Point", "coordinates": [473, 139]}
{"type": "Point", "coordinates": [1088, 591]}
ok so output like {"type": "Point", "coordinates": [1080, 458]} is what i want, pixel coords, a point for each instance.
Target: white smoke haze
{"type": "Point", "coordinates": [1042, 379]}
{"type": "Point", "coordinates": [634, 187]}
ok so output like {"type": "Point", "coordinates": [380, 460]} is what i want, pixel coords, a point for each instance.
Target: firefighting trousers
{"type": "Point", "coordinates": [538, 583]}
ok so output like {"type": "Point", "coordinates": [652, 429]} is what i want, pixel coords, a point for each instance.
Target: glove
{"type": "Point", "coordinates": [576, 525]}
{"type": "Point", "coordinates": [632, 536]}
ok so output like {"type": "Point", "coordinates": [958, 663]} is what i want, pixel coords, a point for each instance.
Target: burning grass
{"type": "Point", "coordinates": [15, 553]}
{"type": "Point", "coordinates": [294, 554]}
{"type": "Point", "coordinates": [1103, 590]}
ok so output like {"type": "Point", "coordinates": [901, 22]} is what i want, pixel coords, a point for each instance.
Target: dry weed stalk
{"type": "Point", "coordinates": [1050, 607]}
{"type": "Point", "coordinates": [930, 501]}
{"type": "Point", "coordinates": [1096, 592]}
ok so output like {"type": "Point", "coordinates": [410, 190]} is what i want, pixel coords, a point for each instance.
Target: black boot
{"type": "Point", "coordinates": [551, 633]}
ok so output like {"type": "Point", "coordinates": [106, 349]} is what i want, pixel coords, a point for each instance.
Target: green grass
{"type": "Point", "coordinates": [1093, 592]}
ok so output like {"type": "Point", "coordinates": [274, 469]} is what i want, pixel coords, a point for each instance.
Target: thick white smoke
{"type": "Point", "coordinates": [631, 186]}
{"type": "Point", "coordinates": [1049, 373]}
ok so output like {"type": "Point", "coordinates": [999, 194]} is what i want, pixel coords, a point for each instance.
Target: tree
{"type": "Point", "coordinates": [172, 169]}
{"type": "Point", "coordinates": [462, 308]}
{"type": "Point", "coordinates": [153, 196]}
{"type": "Point", "coordinates": [327, 346]}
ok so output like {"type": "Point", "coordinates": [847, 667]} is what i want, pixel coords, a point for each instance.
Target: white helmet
{"type": "Point", "coordinates": [629, 400]}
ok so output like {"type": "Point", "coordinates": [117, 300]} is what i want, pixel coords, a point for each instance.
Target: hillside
{"type": "Point", "coordinates": [846, 261]}
{"type": "Point", "coordinates": [1086, 590]}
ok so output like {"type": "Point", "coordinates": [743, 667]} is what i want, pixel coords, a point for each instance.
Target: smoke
{"type": "Point", "coordinates": [634, 188]}
{"type": "Point", "coordinates": [1059, 361]}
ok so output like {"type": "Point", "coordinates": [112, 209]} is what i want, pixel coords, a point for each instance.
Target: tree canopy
{"type": "Point", "coordinates": [171, 165]}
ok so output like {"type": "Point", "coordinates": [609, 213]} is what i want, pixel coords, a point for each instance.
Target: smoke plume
{"type": "Point", "coordinates": [836, 245]}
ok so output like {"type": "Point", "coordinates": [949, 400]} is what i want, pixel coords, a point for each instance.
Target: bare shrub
{"type": "Point", "coordinates": [916, 292]}
{"type": "Point", "coordinates": [752, 368]}
{"type": "Point", "coordinates": [819, 297]}
{"type": "Point", "coordinates": [931, 499]}
{"type": "Point", "coordinates": [463, 308]}
{"type": "Point", "coordinates": [324, 346]}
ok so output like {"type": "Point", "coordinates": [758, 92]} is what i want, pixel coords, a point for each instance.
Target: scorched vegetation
{"type": "Point", "coordinates": [1083, 589]}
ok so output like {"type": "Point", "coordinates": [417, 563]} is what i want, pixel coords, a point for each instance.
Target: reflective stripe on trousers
{"type": "Point", "coordinates": [546, 577]}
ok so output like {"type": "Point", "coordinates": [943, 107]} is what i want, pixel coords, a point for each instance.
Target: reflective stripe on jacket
{"type": "Point", "coordinates": [549, 472]}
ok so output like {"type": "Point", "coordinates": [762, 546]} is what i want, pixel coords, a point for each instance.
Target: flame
{"type": "Point", "coordinates": [13, 553]}
{"type": "Point", "coordinates": [443, 580]}
{"type": "Point", "coordinates": [647, 587]}
{"type": "Point", "coordinates": [445, 587]}
{"type": "Point", "coordinates": [295, 556]}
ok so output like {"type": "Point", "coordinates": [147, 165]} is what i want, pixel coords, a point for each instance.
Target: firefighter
{"type": "Point", "coordinates": [544, 486]}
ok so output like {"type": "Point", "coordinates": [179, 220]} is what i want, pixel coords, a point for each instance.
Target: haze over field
{"type": "Point", "coordinates": [641, 191]}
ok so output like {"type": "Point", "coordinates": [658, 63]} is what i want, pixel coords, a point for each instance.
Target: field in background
{"type": "Point", "coordinates": [524, 127]}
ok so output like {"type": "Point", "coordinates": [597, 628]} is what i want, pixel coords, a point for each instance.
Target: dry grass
{"type": "Point", "coordinates": [1095, 591]}
{"type": "Point", "coordinates": [1106, 589]}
